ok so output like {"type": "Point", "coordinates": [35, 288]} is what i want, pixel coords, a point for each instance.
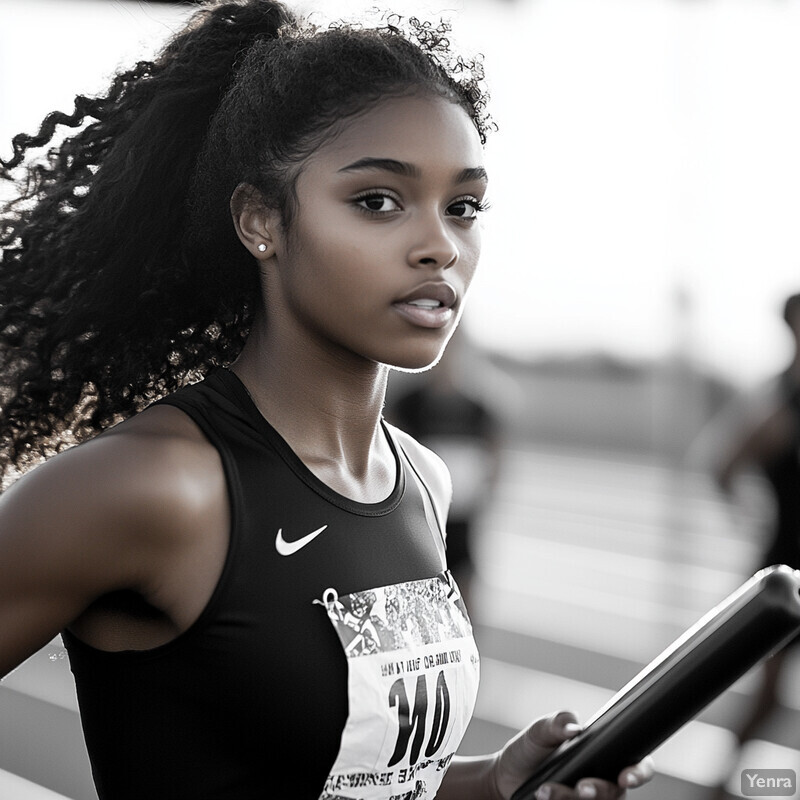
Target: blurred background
{"type": "Point", "coordinates": [624, 330]}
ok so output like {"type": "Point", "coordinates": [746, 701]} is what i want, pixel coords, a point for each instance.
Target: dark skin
{"type": "Point", "coordinates": [144, 508]}
{"type": "Point", "coordinates": [154, 521]}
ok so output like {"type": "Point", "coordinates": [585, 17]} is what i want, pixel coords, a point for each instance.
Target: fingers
{"type": "Point", "coordinates": [595, 789]}
{"type": "Point", "coordinates": [590, 789]}
{"type": "Point", "coordinates": [549, 732]}
{"type": "Point", "coordinates": [536, 742]}
{"type": "Point", "coordinates": [526, 750]}
{"type": "Point", "coordinates": [632, 777]}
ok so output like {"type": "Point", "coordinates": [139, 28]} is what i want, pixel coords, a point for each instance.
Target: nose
{"type": "Point", "coordinates": [434, 246]}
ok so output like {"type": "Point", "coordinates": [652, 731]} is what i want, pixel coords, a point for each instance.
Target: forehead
{"type": "Point", "coordinates": [430, 132]}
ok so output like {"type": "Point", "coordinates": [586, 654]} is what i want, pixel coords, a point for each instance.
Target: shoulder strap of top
{"type": "Point", "coordinates": [435, 514]}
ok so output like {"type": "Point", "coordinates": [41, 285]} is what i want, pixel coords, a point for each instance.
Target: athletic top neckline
{"type": "Point", "coordinates": [246, 404]}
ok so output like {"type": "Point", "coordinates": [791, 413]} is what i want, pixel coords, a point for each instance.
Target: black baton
{"type": "Point", "coordinates": [751, 624]}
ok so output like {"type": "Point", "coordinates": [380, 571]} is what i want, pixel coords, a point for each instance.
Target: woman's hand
{"type": "Point", "coordinates": [521, 755]}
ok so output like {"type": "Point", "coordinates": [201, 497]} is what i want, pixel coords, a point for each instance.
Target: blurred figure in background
{"type": "Point", "coordinates": [770, 443]}
{"type": "Point", "coordinates": [451, 417]}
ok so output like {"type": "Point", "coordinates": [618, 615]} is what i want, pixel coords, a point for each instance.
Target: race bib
{"type": "Point", "coordinates": [413, 674]}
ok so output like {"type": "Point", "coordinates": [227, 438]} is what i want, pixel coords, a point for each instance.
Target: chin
{"type": "Point", "coordinates": [412, 370]}
{"type": "Point", "coordinates": [418, 354]}
{"type": "Point", "coordinates": [423, 356]}
{"type": "Point", "coordinates": [420, 363]}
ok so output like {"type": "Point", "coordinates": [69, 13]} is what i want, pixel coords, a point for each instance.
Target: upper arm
{"type": "Point", "coordinates": [56, 552]}
{"type": "Point", "coordinates": [92, 520]}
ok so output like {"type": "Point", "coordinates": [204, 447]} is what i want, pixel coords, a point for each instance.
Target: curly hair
{"type": "Point", "coordinates": [121, 277]}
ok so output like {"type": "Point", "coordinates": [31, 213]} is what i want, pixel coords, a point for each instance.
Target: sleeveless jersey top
{"type": "Point", "coordinates": [334, 660]}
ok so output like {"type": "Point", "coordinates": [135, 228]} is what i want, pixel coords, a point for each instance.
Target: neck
{"type": "Point", "coordinates": [326, 405]}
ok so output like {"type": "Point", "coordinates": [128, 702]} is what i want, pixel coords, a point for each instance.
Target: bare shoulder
{"type": "Point", "coordinates": [123, 501]}
{"type": "Point", "coordinates": [162, 453]}
{"type": "Point", "coordinates": [141, 507]}
{"type": "Point", "coordinates": [432, 469]}
{"type": "Point", "coordinates": [143, 466]}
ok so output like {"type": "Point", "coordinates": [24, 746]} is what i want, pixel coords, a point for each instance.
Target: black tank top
{"type": "Point", "coordinates": [258, 684]}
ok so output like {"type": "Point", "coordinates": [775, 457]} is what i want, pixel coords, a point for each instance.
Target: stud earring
{"type": "Point", "coordinates": [262, 248]}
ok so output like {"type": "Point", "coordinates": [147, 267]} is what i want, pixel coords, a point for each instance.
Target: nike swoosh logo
{"type": "Point", "coordinates": [285, 548]}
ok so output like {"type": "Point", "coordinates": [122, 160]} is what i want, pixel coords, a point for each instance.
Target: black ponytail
{"type": "Point", "coordinates": [122, 277]}
{"type": "Point", "coordinates": [100, 312]}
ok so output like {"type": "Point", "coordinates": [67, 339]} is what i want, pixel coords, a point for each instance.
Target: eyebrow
{"type": "Point", "coordinates": [411, 171]}
{"type": "Point", "coordinates": [472, 174]}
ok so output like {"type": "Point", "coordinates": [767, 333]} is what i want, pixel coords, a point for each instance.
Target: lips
{"type": "Point", "coordinates": [429, 305]}
{"type": "Point", "coordinates": [440, 291]}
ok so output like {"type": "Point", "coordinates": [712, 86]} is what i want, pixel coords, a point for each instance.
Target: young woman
{"type": "Point", "coordinates": [215, 275]}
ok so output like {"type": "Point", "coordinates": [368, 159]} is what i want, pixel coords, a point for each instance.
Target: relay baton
{"type": "Point", "coordinates": [751, 624]}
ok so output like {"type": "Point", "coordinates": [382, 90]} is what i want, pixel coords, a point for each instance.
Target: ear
{"type": "Point", "coordinates": [256, 225]}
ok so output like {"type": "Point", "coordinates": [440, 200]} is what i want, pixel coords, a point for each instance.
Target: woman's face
{"type": "Point", "coordinates": [385, 238]}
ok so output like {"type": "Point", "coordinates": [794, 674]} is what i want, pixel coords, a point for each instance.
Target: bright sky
{"type": "Point", "coordinates": [645, 146]}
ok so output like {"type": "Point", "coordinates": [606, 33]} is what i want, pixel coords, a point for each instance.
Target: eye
{"type": "Point", "coordinates": [377, 203]}
{"type": "Point", "coordinates": [467, 208]}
